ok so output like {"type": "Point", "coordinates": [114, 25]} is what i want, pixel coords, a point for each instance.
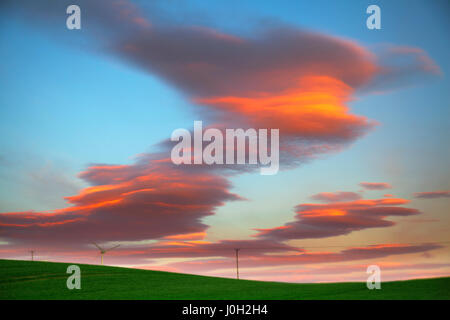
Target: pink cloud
{"type": "Point", "coordinates": [304, 258]}
{"type": "Point", "coordinates": [336, 196]}
{"type": "Point", "coordinates": [339, 218]}
{"type": "Point", "coordinates": [147, 200]}
{"type": "Point", "coordinates": [375, 185]}
{"type": "Point", "coordinates": [282, 77]}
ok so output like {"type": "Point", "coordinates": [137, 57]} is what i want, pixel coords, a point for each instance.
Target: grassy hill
{"type": "Point", "coordinates": [47, 280]}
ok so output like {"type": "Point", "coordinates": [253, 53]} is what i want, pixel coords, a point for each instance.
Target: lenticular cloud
{"type": "Point", "coordinates": [285, 78]}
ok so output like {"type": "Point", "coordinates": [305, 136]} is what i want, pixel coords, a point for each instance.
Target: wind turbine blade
{"type": "Point", "coordinates": [113, 247]}
{"type": "Point", "coordinates": [99, 248]}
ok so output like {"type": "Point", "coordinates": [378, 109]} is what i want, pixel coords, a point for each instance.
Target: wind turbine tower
{"type": "Point", "coordinates": [237, 262]}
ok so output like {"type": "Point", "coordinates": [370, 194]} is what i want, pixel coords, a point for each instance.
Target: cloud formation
{"type": "Point", "coordinates": [147, 200]}
{"type": "Point", "coordinates": [305, 258]}
{"type": "Point", "coordinates": [338, 196]}
{"type": "Point", "coordinates": [338, 218]}
{"type": "Point", "coordinates": [432, 194]}
{"type": "Point", "coordinates": [280, 77]}
{"type": "Point", "coordinates": [375, 185]}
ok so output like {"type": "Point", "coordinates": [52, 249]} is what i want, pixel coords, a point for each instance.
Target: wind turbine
{"type": "Point", "coordinates": [103, 251]}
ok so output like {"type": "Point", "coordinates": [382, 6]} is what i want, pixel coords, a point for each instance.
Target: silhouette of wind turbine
{"type": "Point", "coordinates": [103, 251]}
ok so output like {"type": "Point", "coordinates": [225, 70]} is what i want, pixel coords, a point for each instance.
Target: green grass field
{"type": "Point", "coordinates": [47, 280]}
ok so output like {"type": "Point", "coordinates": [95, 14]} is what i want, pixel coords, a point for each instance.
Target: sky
{"type": "Point", "coordinates": [86, 117]}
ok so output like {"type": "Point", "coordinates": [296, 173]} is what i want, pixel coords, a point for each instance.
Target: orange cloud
{"type": "Point", "coordinates": [338, 218]}
{"type": "Point", "coordinates": [336, 196]}
{"type": "Point", "coordinates": [315, 109]}
{"type": "Point", "coordinates": [188, 236]}
{"type": "Point", "coordinates": [375, 185]}
{"type": "Point", "coordinates": [147, 200]}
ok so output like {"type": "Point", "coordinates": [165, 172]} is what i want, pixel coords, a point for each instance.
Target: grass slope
{"type": "Point", "coordinates": [47, 280]}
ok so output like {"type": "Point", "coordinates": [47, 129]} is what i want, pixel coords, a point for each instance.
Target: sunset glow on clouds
{"type": "Point", "coordinates": [375, 185]}
{"type": "Point", "coordinates": [325, 220]}
{"type": "Point", "coordinates": [299, 81]}
{"type": "Point", "coordinates": [148, 200]}
{"type": "Point", "coordinates": [336, 196]}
